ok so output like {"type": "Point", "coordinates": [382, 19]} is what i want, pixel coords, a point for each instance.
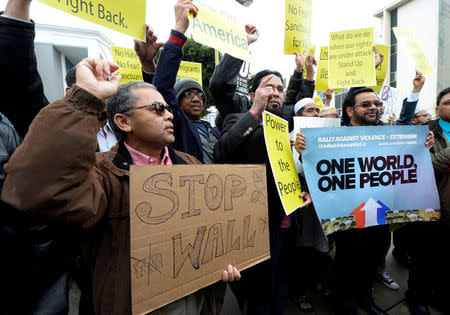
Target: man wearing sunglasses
{"type": "Point", "coordinates": [421, 117]}
{"type": "Point", "coordinates": [360, 253]}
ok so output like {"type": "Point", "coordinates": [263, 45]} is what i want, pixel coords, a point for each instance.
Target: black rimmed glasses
{"type": "Point", "coordinates": [159, 107]}
{"type": "Point", "coordinates": [192, 94]}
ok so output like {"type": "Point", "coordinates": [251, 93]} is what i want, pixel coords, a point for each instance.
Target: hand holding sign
{"type": "Point", "coordinates": [300, 143]}
{"type": "Point", "coordinates": [92, 75]}
{"type": "Point", "coordinates": [418, 82]}
{"type": "Point", "coordinates": [299, 61]}
{"type": "Point", "coordinates": [231, 274]}
{"type": "Point", "coordinates": [252, 33]}
{"type": "Point", "coordinates": [310, 69]}
{"type": "Point", "coordinates": [182, 9]}
{"type": "Point", "coordinates": [147, 50]}
{"type": "Point", "coordinates": [379, 57]}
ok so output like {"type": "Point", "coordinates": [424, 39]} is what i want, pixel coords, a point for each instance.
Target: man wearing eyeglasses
{"type": "Point", "coordinates": [421, 117]}
{"type": "Point", "coordinates": [360, 253]}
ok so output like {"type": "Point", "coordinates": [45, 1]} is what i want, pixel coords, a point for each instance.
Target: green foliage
{"type": "Point", "coordinates": [196, 52]}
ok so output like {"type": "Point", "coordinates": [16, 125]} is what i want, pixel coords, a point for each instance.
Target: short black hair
{"type": "Point", "coordinates": [261, 74]}
{"type": "Point", "coordinates": [71, 77]}
{"type": "Point", "coordinates": [441, 95]}
{"type": "Point", "coordinates": [349, 101]}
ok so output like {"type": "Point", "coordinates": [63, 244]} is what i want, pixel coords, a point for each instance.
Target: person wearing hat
{"type": "Point", "coordinates": [421, 116]}
{"type": "Point", "coordinates": [187, 99]}
{"type": "Point", "coordinates": [306, 107]}
{"type": "Point", "coordinates": [328, 112]}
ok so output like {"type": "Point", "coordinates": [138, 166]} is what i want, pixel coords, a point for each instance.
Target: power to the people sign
{"type": "Point", "coordinates": [276, 134]}
{"type": "Point", "coordinates": [127, 17]}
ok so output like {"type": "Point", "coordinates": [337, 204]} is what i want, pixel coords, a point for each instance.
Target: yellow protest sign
{"type": "Point", "coordinates": [128, 61]}
{"type": "Point", "coordinates": [322, 71]}
{"type": "Point", "coordinates": [216, 27]}
{"type": "Point", "coordinates": [318, 101]}
{"type": "Point", "coordinates": [276, 134]}
{"type": "Point", "coordinates": [351, 61]}
{"type": "Point", "coordinates": [382, 68]}
{"type": "Point", "coordinates": [127, 17]}
{"type": "Point", "coordinates": [190, 70]}
{"type": "Point", "coordinates": [297, 30]}
{"type": "Point", "coordinates": [407, 38]}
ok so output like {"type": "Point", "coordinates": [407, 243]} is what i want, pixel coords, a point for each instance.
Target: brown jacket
{"type": "Point", "coordinates": [57, 175]}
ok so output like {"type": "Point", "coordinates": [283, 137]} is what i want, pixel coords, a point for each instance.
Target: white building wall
{"type": "Point", "coordinates": [55, 43]}
{"type": "Point", "coordinates": [422, 16]}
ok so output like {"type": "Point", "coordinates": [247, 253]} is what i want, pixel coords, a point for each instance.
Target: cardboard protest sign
{"type": "Point", "coordinates": [406, 38]}
{"type": "Point", "coordinates": [219, 28]}
{"type": "Point", "coordinates": [276, 135]}
{"type": "Point", "coordinates": [297, 30]}
{"type": "Point", "coordinates": [351, 61]}
{"type": "Point", "coordinates": [322, 71]}
{"type": "Point", "coordinates": [309, 122]}
{"type": "Point", "coordinates": [190, 70]}
{"type": "Point", "coordinates": [127, 17]}
{"type": "Point", "coordinates": [364, 176]}
{"type": "Point", "coordinates": [382, 68]}
{"type": "Point", "coordinates": [188, 223]}
{"type": "Point", "coordinates": [128, 61]}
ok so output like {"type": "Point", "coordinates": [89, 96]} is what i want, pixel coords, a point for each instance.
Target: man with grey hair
{"type": "Point", "coordinates": [91, 189]}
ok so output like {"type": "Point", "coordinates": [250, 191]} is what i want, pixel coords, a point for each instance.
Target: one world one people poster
{"type": "Point", "coordinates": [364, 176]}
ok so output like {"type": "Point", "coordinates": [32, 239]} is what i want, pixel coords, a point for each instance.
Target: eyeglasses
{"type": "Point", "coordinates": [192, 94]}
{"type": "Point", "coordinates": [159, 107]}
{"type": "Point", "coordinates": [423, 115]}
{"type": "Point", "coordinates": [367, 104]}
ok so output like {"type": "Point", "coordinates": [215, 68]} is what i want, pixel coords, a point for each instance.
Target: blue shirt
{"type": "Point", "coordinates": [445, 125]}
{"type": "Point", "coordinates": [106, 138]}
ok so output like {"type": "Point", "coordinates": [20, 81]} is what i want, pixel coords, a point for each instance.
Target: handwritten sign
{"type": "Point", "coordinates": [219, 28]}
{"type": "Point", "coordinates": [382, 68]}
{"type": "Point", "coordinates": [356, 180]}
{"type": "Point", "coordinates": [127, 17]}
{"type": "Point", "coordinates": [276, 134]}
{"type": "Point", "coordinates": [297, 30]}
{"type": "Point", "coordinates": [188, 223]}
{"type": "Point", "coordinates": [407, 39]}
{"type": "Point", "coordinates": [128, 61]}
{"type": "Point", "coordinates": [351, 60]}
{"type": "Point", "coordinates": [322, 71]}
{"type": "Point", "coordinates": [190, 70]}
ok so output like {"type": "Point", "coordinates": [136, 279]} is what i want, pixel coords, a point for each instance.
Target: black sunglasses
{"type": "Point", "coordinates": [367, 104]}
{"type": "Point", "coordinates": [159, 107]}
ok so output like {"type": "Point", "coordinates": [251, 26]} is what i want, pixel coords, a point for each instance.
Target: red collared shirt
{"type": "Point", "coordinates": [142, 159]}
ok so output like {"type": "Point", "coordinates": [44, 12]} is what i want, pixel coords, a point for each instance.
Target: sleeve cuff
{"type": "Point", "coordinates": [413, 97]}
{"type": "Point", "coordinates": [177, 38]}
{"type": "Point", "coordinates": [254, 116]}
{"type": "Point", "coordinates": [15, 19]}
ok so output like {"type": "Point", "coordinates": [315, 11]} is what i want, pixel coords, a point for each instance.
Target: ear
{"type": "Point", "coordinates": [123, 122]}
{"type": "Point", "coordinates": [349, 111]}
{"type": "Point", "coordinates": [252, 96]}
{"type": "Point", "coordinates": [437, 111]}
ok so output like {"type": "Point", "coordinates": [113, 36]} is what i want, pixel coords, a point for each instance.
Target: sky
{"type": "Point", "coordinates": [268, 17]}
